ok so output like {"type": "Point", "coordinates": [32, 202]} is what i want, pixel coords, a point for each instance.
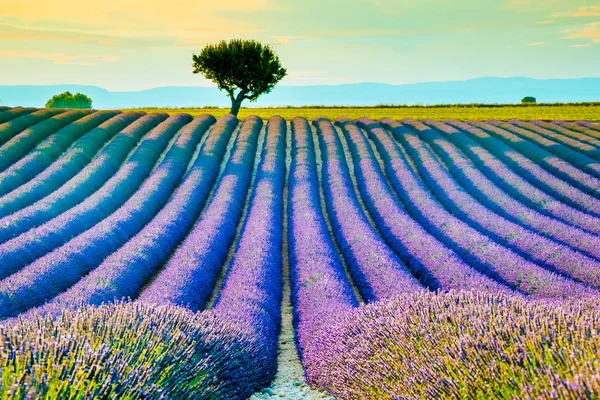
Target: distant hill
{"type": "Point", "coordinates": [481, 90]}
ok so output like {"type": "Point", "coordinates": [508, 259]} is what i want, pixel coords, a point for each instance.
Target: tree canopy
{"type": "Point", "coordinates": [68, 100]}
{"type": "Point", "coordinates": [528, 100]}
{"type": "Point", "coordinates": [245, 69]}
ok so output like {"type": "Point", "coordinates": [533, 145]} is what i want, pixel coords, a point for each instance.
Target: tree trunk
{"type": "Point", "coordinates": [235, 106]}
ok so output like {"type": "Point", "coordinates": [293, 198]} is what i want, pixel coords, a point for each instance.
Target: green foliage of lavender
{"type": "Point", "coordinates": [126, 350]}
{"type": "Point", "coordinates": [462, 345]}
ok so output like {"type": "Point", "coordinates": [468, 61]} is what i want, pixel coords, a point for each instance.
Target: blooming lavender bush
{"type": "Point", "coordinates": [461, 345]}
{"type": "Point", "coordinates": [127, 350]}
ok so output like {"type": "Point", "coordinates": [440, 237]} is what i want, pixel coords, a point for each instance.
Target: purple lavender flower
{"type": "Point", "coordinates": [188, 278]}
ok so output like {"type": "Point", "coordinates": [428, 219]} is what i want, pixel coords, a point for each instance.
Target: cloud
{"type": "Point", "coordinates": [21, 36]}
{"type": "Point", "coordinates": [550, 21]}
{"type": "Point", "coordinates": [582, 45]}
{"type": "Point", "coordinates": [535, 44]}
{"type": "Point", "coordinates": [57, 58]}
{"type": "Point", "coordinates": [590, 31]}
{"type": "Point", "coordinates": [586, 11]}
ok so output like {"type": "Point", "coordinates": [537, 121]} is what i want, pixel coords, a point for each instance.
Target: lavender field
{"type": "Point", "coordinates": [155, 256]}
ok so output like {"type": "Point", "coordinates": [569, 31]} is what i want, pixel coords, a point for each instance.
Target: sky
{"type": "Point", "coordinates": [125, 45]}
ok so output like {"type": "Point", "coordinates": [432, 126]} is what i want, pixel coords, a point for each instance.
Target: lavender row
{"type": "Point", "coordinates": [123, 273]}
{"type": "Point", "coordinates": [319, 289]}
{"type": "Point", "coordinates": [73, 177]}
{"type": "Point", "coordinates": [589, 125]}
{"type": "Point", "coordinates": [493, 197]}
{"type": "Point", "coordinates": [375, 269]}
{"type": "Point", "coordinates": [58, 270]}
{"type": "Point", "coordinates": [50, 149]}
{"type": "Point", "coordinates": [21, 144]}
{"type": "Point", "coordinates": [572, 126]}
{"type": "Point", "coordinates": [572, 134]}
{"type": "Point", "coordinates": [476, 249]}
{"type": "Point", "coordinates": [9, 114]}
{"type": "Point", "coordinates": [527, 247]}
{"type": "Point", "coordinates": [576, 158]}
{"type": "Point", "coordinates": [13, 127]}
{"type": "Point", "coordinates": [436, 266]}
{"type": "Point", "coordinates": [530, 170]}
{"type": "Point", "coordinates": [252, 290]}
{"type": "Point", "coordinates": [566, 141]}
{"type": "Point", "coordinates": [547, 160]}
{"type": "Point", "coordinates": [189, 277]}
{"type": "Point", "coordinates": [513, 184]}
{"type": "Point", "coordinates": [29, 246]}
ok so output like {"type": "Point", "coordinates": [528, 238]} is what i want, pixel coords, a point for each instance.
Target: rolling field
{"type": "Point", "coordinates": [547, 112]}
{"type": "Point", "coordinates": [144, 255]}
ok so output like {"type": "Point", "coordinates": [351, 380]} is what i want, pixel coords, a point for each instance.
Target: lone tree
{"type": "Point", "coordinates": [528, 100]}
{"type": "Point", "coordinates": [245, 69]}
{"type": "Point", "coordinates": [68, 100]}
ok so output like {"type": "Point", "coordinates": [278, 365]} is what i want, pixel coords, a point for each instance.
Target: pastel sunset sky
{"type": "Point", "coordinates": [134, 44]}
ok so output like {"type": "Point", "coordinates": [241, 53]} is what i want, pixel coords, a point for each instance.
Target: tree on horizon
{"type": "Point", "coordinates": [245, 69]}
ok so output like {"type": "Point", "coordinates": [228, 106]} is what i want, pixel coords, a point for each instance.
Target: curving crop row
{"type": "Point", "coordinates": [496, 199]}
{"type": "Point", "coordinates": [574, 144]}
{"type": "Point", "coordinates": [50, 149]}
{"type": "Point", "coordinates": [252, 290]}
{"type": "Point", "coordinates": [516, 262]}
{"type": "Point", "coordinates": [8, 114]}
{"type": "Point", "coordinates": [319, 289]}
{"type": "Point", "coordinates": [375, 269]}
{"type": "Point", "coordinates": [430, 260]}
{"type": "Point", "coordinates": [513, 184]}
{"type": "Point", "coordinates": [58, 270]}
{"type": "Point", "coordinates": [75, 176]}
{"type": "Point", "coordinates": [559, 129]}
{"type": "Point", "coordinates": [21, 144]}
{"type": "Point", "coordinates": [572, 126]}
{"type": "Point", "coordinates": [531, 171]}
{"type": "Point", "coordinates": [123, 273]}
{"type": "Point", "coordinates": [589, 125]}
{"type": "Point", "coordinates": [33, 244]}
{"type": "Point", "coordinates": [189, 277]}
{"type": "Point", "coordinates": [576, 158]}
{"type": "Point", "coordinates": [547, 160]}
{"type": "Point", "coordinates": [17, 125]}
